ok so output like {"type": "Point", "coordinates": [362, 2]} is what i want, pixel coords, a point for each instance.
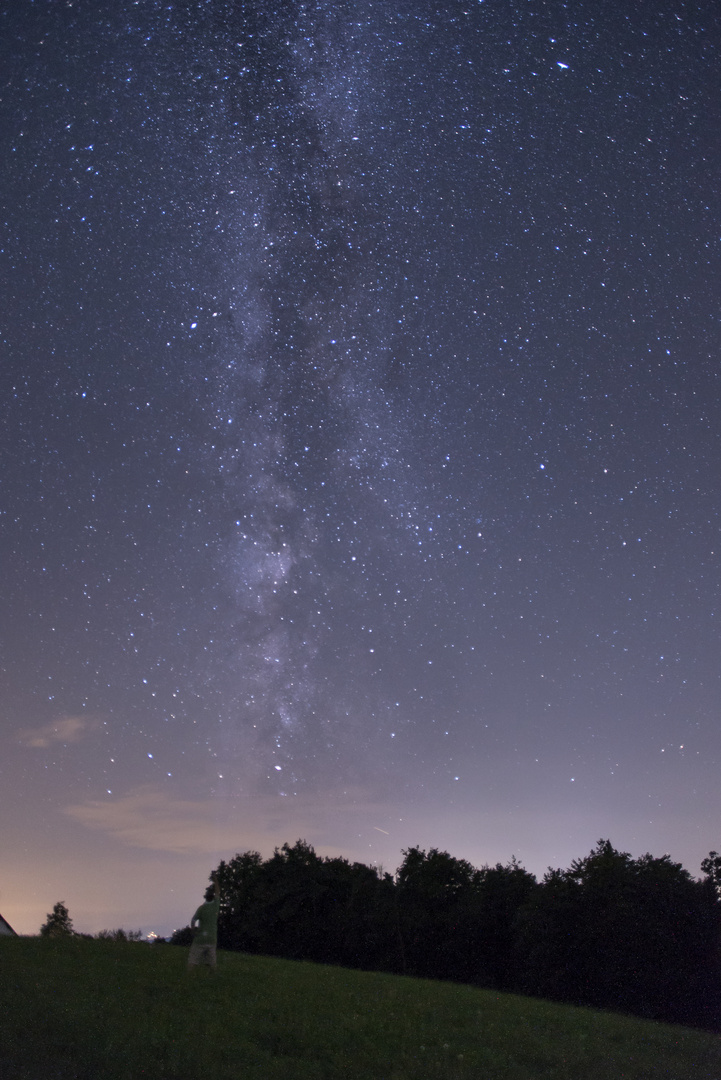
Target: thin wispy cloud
{"type": "Point", "coordinates": [153, 819]}
{"type": "Point", "coordinates": [68, 729]}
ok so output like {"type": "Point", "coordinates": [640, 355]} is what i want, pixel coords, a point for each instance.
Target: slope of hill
{"type": "Point", "coordinates": [88, 1009]}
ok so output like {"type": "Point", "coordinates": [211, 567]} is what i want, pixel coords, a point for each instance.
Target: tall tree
{"type": "Point", "coordinates": [711, 867]}
{"type": "Point", "coordinates": [58, 923]}
{"type": "Point", "coordinates": [630, 934]}
{"type": "Point", "coordinates": [437, 902]}
{"type": "Point", "coordinates": [300, 905]}
{"type": "Point", "coordinates": [502, 893]}
{"type": "Point", "coordinates": [239, 921]}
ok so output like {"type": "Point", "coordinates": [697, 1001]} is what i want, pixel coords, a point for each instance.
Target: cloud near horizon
{"type": "Point", "coordinates": [68, 729]}
{"type": "Point", "coordinates": [153, 819]}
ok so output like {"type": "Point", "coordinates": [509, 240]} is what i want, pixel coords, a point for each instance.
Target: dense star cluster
{"type": "Point", "coordinates": [361, 425]}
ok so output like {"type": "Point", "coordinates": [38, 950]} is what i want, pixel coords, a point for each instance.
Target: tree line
{"type": "Point", "coordinates": [635, 935]}
{"type": "Point", "coordinates": [58, 924]}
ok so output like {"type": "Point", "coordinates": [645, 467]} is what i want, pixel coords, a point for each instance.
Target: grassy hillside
{"type": "Point", "coordinates": [89, 1010]}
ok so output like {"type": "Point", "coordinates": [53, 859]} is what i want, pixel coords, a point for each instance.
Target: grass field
{"type": "Point", "coordinates": [91, 1010]}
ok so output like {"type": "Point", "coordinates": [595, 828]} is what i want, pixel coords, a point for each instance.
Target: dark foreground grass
{"type": "Point", "coordinates": [104, 1011]}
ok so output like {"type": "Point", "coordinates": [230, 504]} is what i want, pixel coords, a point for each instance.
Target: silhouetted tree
{"type": "Point", "coordinates": [366, 922]}
{"type": "Point", "coordinates": [634, 935]}
{"type": "Point", "coordinates": [438, 907]}
{"type": "Point", "coordinates": [58, 923]}
{"type": "Point", "coordinates": [182, 936]}
{"type": "Point", "coordinates": [119, 935]}
{"type": "Point", "coordinates": [637, 935]}
{"type": "Point", "coordinates": [356, 906]}
{"type": "Point", "coordinates": [239, 926]}
{"type": "Point", "coordinates": [711, 867]}
{"type": "Point", "coordinates": [290, 896]}
{"type": "Point", "coordinates": [300, 905]}
{"type": "Point", "coordinates": [502, 892]}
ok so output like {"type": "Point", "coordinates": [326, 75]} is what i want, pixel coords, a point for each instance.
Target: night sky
{"type": "Point", "coordinates": [361, 425]}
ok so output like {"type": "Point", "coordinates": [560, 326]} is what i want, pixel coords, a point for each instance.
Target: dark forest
{"type": "Point", "coordinates": [640, 936]}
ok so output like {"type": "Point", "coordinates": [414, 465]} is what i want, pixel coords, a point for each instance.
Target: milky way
{"type": "Point", "coordinates": [313, 472]}
{"type": "Point", "coordinates": [361, 428]}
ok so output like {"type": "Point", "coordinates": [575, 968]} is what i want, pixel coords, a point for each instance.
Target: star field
{"type": "Point", "coordinates": [361, 427]}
